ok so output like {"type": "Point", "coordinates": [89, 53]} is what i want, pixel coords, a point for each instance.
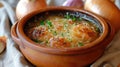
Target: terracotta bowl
{"type": "Point", "coordinates": [63, 57]}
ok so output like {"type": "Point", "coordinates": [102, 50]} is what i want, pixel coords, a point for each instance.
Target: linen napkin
{"type": "Point", "coordinates": [12, 57]}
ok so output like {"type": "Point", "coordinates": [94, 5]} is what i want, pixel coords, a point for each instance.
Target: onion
{"type": "Point", "coordinates": [2, 43]}
{"type": "Point", "coordinates": [73, 3]}
{"type": "Point", "coordinates": [113, 0]}
{"type": "Point", "coordinates": [106, 9]}
{"type": "Point", "coordinates": [1, 5]}
{"type": "Point", "coordinates": [27, 6]}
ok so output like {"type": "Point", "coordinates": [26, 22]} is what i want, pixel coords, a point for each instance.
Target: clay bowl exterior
{"type": "Point", "coordinates": [63, 57]}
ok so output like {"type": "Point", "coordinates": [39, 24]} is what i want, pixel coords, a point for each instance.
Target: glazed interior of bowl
{"type": "Point", "coordinates": [37, 18]}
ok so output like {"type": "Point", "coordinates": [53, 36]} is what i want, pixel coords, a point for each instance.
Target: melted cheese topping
{"type": "Point", "coordinates": [59, 32]}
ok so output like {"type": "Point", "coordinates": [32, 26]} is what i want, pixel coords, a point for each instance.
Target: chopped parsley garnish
{"type": "Point", "coordinates": [74, 18]}
{"type": "Point", "coordinates": [65, 26]}
{"type": "Point", "coordinates": [97, 29]}
{"type": "Point", "coordinates": [80, 19]}
{"type": "Point", "coordinates": [49, 23]}
{"type": "Point", "coordinates": [67, 16]}
{"type": "Point", "coordinates": [80, 44]}
{"type": "Point", "coordinates": [62, 34]}
{"type": "Point", "coordinates": [42, 22]}
{"type": "Point", "coordinates": [69, 39]}
{"type": "Point", "coordinates": [54, 33]}
{"type": "Point", "coordinates": [37, 41]}
{"type": "Point", "coordinates": [46, 41]}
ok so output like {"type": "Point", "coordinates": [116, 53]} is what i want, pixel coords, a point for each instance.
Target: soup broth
{"type": "Point", "coordinates": [61, 30]}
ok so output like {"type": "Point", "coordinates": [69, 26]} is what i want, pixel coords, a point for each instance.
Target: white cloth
{"type": "Point", "coordinates": [117, 2]}
{"type": "Point", "coordinates": [12, 56]}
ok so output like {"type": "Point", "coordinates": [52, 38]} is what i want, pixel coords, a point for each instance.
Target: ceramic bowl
{"type": "Point", "coordinates": [63, 57]}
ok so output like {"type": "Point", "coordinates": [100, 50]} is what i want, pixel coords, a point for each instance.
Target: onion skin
{"type": "Point", "coordinates": [73, 3]}
{"type": "Point", "coordinates": [113, 0]}
{"type": "Point", "coordinates": [25, 7]}
{"type": "Point", "coordinates": [2, 43]}
{"type": "Point", "coordinates": [106, 9]}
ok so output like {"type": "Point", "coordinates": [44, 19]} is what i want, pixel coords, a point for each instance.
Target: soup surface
{"type": "Point", "coordinates": [59, 31]}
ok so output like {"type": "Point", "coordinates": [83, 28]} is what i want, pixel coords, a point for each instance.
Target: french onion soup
{"type": "Point", "coordinates": [61, 29]}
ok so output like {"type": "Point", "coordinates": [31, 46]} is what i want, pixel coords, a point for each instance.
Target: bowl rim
{"type": "Point", "coordinates": [31, 44]}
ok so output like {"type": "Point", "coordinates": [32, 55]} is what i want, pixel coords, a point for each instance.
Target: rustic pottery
{"type": "Point", "coordinates": [63, 57]}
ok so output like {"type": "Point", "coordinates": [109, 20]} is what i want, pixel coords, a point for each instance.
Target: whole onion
{"type": "Point", "coordinates": [106, 9]}
{"type": "Point", "coordinates": [27, 6]}
{"type": "Point", "coordinates": [73, 3]}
